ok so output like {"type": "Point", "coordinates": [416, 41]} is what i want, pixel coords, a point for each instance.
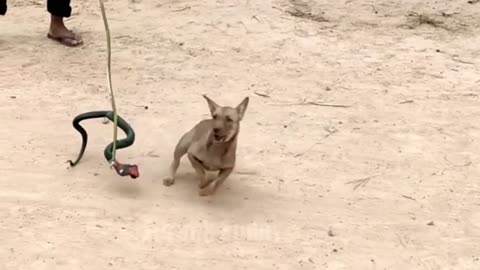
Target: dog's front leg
{"type": "Point", "coordinates": [180, 151]}
{"type": "Point", "coordinates": [213, 185]}
{"type": "Point", "coordinates": [199, 169]}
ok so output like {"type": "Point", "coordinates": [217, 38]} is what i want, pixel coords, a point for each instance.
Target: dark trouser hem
{"type": "Point", "coordinates": [3, 7]}
{"type": "Point", "coordinates": [59, 8]}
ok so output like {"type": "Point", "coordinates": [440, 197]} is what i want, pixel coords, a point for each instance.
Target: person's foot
{"type": "Point", "coordinates": [59, 32]}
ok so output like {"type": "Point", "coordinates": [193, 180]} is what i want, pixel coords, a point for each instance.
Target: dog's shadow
{"type": "Point", "coordinates": [231, 195]}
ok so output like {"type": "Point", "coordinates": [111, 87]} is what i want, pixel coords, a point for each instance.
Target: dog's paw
{"type": "Point", "coordinates": [168, 181]}
{"type": "Point", "coordinates": [204, 184]}
{"type": "Point", "coordinates": [207, 191]}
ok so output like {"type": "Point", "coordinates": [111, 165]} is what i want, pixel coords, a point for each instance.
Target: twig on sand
{"type": "Point", "coordinates": [325, 105]}
{"type": "Point", "coordinates": [306, 151]}
{"type": "Point", "coordinates": [415, 20]}
{"type": "Point", "coordinates": [246, 173]}
{"type": "Point", "coordinates": [152, 154]}
{"type": "Point", "coordinates": [36, 2]}
{"type": "Point", "coordinates": [466, 164]}
{"type": "Point", "coordinates": [181, 9]}
{"type": "Point", "coordinates": [277, 8]}
{"type": "Point", "coordinates": [361, 182]}
{"type": "Point", "coordinates": [330, 131]}
{"type": "Point", "coordinates": [304, 102]}
{"type": "Point", "coordinates": [261, 94]}
{"type": "Point", "coordinates": [406, 101]}
{"type": "Point", "coordinates": [305, 14]}
{"type": "Point", "coordinates": [462, 61]}
{"type": "Point", "coordinates": [408, 197]}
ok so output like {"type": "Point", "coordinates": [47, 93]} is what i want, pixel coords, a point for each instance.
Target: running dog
{"type": "Point", "coordinates": [210, 146]}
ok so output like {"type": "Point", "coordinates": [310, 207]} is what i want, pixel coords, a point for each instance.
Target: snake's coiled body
{"type": "Point", "coordinates": [122, 169]}
{"type": "Point", "coordinates": [110, 150]}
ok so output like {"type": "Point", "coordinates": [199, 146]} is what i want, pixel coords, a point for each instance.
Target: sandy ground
{"type": "Point", "coordinates": [406, 70]}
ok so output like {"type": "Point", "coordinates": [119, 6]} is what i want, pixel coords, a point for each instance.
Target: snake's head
{"type": "Point", "coordinates": [126, 169]}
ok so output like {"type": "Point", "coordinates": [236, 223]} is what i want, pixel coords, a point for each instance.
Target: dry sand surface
{"type": "Point", "coordinates": [391, 181]}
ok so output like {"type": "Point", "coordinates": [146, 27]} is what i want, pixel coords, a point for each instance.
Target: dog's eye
{"type": "Point", "coordinates": [214, 116]}
{"type": "Point", "coordinates": [229, 119]}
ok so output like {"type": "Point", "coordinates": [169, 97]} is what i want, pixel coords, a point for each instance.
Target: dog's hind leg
{"type": "Point", "coordinates": [180, 150]}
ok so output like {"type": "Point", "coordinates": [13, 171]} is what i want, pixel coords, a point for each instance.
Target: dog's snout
{"type": "Point", "coordinates": [216, 130]}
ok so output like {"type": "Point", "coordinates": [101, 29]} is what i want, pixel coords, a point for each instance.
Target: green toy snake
{"type": "Point", "coordinates": [110, 150]}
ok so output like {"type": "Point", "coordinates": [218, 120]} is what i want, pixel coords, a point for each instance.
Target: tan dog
{"type": "Point", "coordinates": [210, 146]}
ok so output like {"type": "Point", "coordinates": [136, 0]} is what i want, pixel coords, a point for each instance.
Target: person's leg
{"type": "Point", "coordinates": [3, 7]}
{"type": "Point", "coordinates": [58, 10]}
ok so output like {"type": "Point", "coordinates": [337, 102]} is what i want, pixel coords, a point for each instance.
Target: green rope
{"type": "Point", "coordinates": [114, 108]}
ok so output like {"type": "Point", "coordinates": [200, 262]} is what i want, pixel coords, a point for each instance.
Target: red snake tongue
{"type": "Point", "coordinates": [133, 171]}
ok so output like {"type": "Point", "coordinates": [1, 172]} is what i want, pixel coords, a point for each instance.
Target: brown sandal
{"type": "Point", "coordinates": [65, 40]}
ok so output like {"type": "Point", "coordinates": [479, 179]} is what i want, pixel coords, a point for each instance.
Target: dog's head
{"type": "Point", "coordinates": [226, 120]}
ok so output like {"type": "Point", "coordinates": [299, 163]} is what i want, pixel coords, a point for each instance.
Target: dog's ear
{"type": "Point", "coordinates": [211, 104]}
{"type": "Point", "coordinates": [242, 107]}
